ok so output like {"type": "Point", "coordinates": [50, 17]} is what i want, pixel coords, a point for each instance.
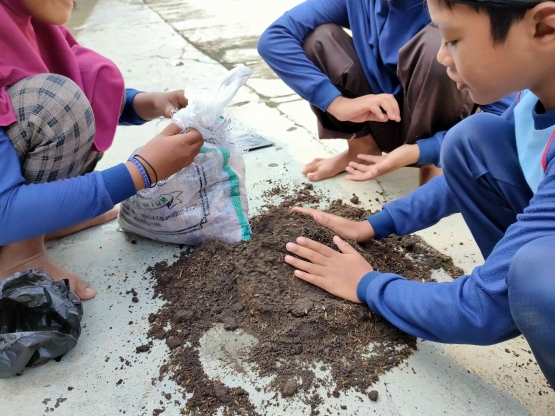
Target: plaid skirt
{"type": "Point", "coordinates": [55, 128]}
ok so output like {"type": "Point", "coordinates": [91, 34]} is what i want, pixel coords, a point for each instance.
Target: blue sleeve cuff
{"type": "Point", "coordinates": [129, 116]}
{"type": "Point", "coordinates": [324, 94]}
{"type": "Point", "coordinates": [429, 151]}
{"type": "Point", "coordinates": [119, 183]}
{"type": "Point", "coordinates": [362, 287]}
{"type": "Point", "coordinates": [382, 223]}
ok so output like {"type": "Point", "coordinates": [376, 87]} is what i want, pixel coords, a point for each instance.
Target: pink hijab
{"type": "Point", "coordinates": [29, 47]}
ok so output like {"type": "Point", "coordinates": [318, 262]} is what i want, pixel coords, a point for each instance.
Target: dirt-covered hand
{"type": "Point", "coordinates": [380, 107]}
{"type": "Point", "coordinates": [336, 273]}
{"type": "Point", "coordinates": [380, 165]}
{"type": "Point", "coordinates": [350, 230]}
{"type": "Point", "coordinates": [168, 153]}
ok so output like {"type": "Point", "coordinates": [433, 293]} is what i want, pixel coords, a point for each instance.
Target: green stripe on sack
{"type": "Point", "coordinates": [235, 191]}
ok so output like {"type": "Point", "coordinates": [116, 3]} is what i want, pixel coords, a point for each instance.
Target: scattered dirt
{"type": "Point", "coordinates": [373, 395]}
{"type": "Point", "coordinates": [59, 401]}
{"type": "Point", "coordinates": [143, 348]}
{"type": "Point", "coordinates": [249, 287]}
{"type": "Point", "coordinates": [289, 388]}
{"type": "Point", "coordinates": [355, 200]}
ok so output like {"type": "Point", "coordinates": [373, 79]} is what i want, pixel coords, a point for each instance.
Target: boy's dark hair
{"type": "Point", "coordinates": [501, 16]}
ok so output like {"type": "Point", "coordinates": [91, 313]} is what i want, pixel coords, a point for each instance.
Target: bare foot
{"type": "Point", "coordinates": [320, 169]}
{"type": "Point", "coordinates": [101, 219]}
{"type": "Point", "coordinates": [31, 254]}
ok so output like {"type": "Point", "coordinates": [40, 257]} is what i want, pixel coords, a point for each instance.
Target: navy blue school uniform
{"type": "Point", "coordinates": [499, 173]}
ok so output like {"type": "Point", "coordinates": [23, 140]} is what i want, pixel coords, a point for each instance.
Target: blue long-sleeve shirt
{"type": "Point", "coordinates": [31, 210]}
{"type": "Point", "coordinates": [380, 28]}
{"type": "Point", "coordinates": [430, 148]}
{"type": "Point", "coordinates": [473, 309]}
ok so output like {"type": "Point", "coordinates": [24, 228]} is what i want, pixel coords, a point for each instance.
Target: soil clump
{"type": "Point", "coordinates": [248, 287]}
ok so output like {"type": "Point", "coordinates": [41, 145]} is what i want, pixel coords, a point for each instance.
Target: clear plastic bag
{"type": "Point", "coordinates": [205, 109]}
{"type": "Point", "coordinates": [208, 199]}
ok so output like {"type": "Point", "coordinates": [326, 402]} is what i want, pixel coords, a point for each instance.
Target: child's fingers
{"type": "Point", "coordinates": [384, 166]}
{"type": "Point", "coordinates": [181, 99]}
{"type": "Point", "coordinates": [306, 253]}
{"type": "Point", "coordinates": [391, 109]}
{"type": "Point", "coordinates": [192, 137]}
{"type": "Point", "coordinates": [304, 265]}
{"type": "Point", "coordinates": [306, 211]}
{"type": "Point", "coordinates": [354, 172]}
{"type": "Point", "coordinates": [171, 130]}
{"type": "Point", "coordinates": [333, 222]}
{"type": "Point", "coordinates": [318, 216]}
{"type": "Point", "coordinates": [360, 166]}
{"type": "Point", "coordinates": [345, 247]}
{"type": "Point", "coordinates": [311, 278]}
{"type": "Point", "coordinates": [316, 247]}
{"type": "Point", "coordinates": [357, 176]}
{"type": "Point", "coordinates": [377, 111]}
{"type": "Point", "coordinates": [370, 158]}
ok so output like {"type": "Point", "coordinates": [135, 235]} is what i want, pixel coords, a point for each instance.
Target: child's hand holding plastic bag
{"type": "Point", "coordinates": [208, 198]}
{"type": "Point", "coordinates": [205, 109]}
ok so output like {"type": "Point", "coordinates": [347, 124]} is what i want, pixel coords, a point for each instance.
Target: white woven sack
{"type": "Point", "coordinates": [207, 199]}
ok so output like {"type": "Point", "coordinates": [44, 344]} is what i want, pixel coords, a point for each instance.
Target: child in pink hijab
{"type": "Point", "coordinates": [60, 104]}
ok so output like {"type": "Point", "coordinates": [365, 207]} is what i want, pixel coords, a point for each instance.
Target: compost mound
{"type": "Point", "coordinates": [299, 327]}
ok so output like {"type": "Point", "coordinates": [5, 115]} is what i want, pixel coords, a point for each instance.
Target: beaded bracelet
{"type": "Point", "coordinates": [153, 170]}
{"type": "Point", "coordinates": [141, 170]}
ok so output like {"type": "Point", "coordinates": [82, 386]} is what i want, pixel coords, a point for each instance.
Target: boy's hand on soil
{"type": "Point", "coordinates": [380, 107]}
{"type": "Point", "coordinates": [347, 229]}
{"type": "Point", "coordinates": [337, 273]}
{"type": "Point", "coordinates": [380, 165]}
{"type": "Point", "coordinates": [168, 153]}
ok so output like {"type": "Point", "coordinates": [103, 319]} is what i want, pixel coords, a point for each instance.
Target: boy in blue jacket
{"type": "Point", "coordinates": [499, 173]}
{"type": "Point", "coordinates": [388, 64]}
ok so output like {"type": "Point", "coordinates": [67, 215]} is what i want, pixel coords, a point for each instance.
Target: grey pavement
{"type": "Point", "coordinates": [170, 44]}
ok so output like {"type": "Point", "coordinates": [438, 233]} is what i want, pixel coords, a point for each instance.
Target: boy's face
{"type": "Point", "coordinates": [489, 72]}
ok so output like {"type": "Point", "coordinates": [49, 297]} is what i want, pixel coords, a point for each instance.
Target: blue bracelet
{"type": "Point", "coordinates": [141, 170]}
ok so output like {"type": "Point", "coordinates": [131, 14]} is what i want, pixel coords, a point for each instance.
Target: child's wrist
{"type": "Point", "coordinates": [414, 153]}
{"type": "Point", "coordinates": [365, 231]}
{"type": "Point", "coordinates": [146, 105]}
{"type": "Point", "coordinates": [136, 176]}
{"type": "Point", "coordinates": [334, 106]}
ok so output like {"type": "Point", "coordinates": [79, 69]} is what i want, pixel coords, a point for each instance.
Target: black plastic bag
{"type": "Point", "coordinates": [40, 319]}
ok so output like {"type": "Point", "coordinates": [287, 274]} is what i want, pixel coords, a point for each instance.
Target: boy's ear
{"type": "Point", "coordinates": [544, 18]}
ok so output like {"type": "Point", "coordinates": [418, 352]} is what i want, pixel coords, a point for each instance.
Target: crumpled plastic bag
{"type": "Point", "coordinates": [205, 108]}
{"type": "Point", "coordinates": [39, 320]}
{"type": "Point", "coordinates": [208, 199]}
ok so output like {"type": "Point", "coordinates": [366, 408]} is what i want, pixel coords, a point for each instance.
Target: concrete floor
{"type": "Point", "coordinates": [171, 44]}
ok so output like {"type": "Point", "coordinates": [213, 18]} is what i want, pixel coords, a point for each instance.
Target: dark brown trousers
{"type": "Point", "coordinates": [430, 103]}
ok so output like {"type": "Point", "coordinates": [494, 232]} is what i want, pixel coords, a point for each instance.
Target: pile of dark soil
{"type": "Point", "coordinates": [248, 286]}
